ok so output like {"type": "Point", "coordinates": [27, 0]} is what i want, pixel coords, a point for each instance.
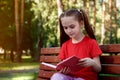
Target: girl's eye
{"type": "Point", "coordinates": [72, 26]}
{"type": "Point", "coordinates": [65, 27]}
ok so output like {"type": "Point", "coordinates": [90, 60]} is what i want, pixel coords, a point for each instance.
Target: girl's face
{"type": "Point", "coordinates": [71, 27]}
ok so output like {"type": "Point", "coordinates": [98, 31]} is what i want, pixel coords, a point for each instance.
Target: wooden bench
{"type": "Point", "coordinates": [110, 61]}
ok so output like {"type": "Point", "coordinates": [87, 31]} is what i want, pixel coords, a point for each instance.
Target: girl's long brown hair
{"type": "Point", "coordinates": [80, 15]}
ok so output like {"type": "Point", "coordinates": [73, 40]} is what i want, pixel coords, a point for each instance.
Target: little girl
{"type": "Point", "coordinates": [74, 42]}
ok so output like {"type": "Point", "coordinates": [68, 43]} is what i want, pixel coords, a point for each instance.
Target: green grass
{"type": "Point", "coordinates": [19, 66]}
{"type": "Point", "coordinates": [26, 64]}
{"type": "Point", "coordinates": [18, 76]}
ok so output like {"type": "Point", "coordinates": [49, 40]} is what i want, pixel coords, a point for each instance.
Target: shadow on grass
{"type": "Point", "coordinates": [19, 76]}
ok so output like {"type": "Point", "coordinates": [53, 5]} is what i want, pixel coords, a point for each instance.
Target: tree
{"type": "Point", "coordinates": [60, 7]}
{"type": "Point", "coordinates": [60, 10]}
{"type": "Point", "coordinates": [94, 17]}
{"type": "Point", "coordinates": [17, 24]}
{"type": "Point", "coordinates": [103, 23]}
{"type": "Point", "coordinates": [110, 20]}
{"type": "Point", "coordinates": [115, 19]}
{"type": "Point", "coordinates": [7, 39]}
{"type": "Point", "coordinates": [22, 19]}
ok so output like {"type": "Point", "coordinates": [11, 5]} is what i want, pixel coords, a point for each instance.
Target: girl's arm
{"type": "Point", "coordinates": [95, 63]}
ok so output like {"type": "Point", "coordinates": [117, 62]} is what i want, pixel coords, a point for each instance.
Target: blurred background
{"type": "Point", "coordinates": [28, 25]}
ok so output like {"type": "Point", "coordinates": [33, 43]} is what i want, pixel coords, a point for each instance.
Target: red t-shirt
{"type": "Point", "coordinates": [86, 48]}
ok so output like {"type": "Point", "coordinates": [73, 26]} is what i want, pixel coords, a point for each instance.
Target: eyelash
{"type": "Point", "coordinates": [70, 27]}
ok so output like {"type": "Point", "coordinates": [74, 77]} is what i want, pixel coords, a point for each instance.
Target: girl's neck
{"type": "Point", "coordinates": [78, 39]}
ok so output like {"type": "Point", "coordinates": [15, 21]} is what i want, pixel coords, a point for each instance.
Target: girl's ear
{"type": "Point", "coordinates": [81, 23]}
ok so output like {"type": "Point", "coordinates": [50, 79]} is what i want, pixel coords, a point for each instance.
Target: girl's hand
{"type": "Point", "coordinates": [86, 62]}
{"type": "Point", "coordinates": [65, 70]}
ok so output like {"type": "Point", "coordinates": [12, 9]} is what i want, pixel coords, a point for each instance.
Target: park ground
{"type": "Point", "coordinates": [26, 70]}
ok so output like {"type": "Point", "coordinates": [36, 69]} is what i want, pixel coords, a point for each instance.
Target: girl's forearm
{"type": "Point", "coordinates": [96, 64]}
{"type": "Point", "coordinates": [96, 67]}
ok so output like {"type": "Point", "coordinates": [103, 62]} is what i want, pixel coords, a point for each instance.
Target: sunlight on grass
{"type": "Point", "coordinates": [19, 66]}
{"type": "Point", "coordinates": [26, 57]}
{"type": "Point", "coordinates": [18, 76]}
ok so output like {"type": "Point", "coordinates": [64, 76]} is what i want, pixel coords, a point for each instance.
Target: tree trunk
{"type": "Point", "coordinates": [115, 18]}
{"type": "Point", "coordinates": [18, 43]}
{"type": "Point", "coordinates": [22, 19]}
{"type": "Point", "coordinates": [103, 23]}
{"type": "Point", "coordinates": [5, 54]}
{"type": "Point", "coordinates": [60, 10]}
{"type": "Point", "coordinates": [60, 7]}
{"type": "Point", "coordinates": [84, 3]}
{"type": "Point", "coordinates": [110, 20]}
{"type": "Point", "coordinates": [88, 6]}
{"type": "Point", "coordinates": [94, 19]}
{"type": "Point", "coordinates": [12, 56]}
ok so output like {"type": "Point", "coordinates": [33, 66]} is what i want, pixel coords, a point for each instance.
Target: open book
{"type": "Point", "coordinates": [70, 62]}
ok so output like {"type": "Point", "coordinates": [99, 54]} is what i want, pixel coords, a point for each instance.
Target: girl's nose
{"type": "Point", "coordinates": [68, 30]}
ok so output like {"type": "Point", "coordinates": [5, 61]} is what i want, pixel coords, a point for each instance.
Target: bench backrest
{"type": "Point", "coordinates": [110, 61]}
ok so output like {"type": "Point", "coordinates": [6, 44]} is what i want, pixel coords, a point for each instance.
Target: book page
{"type": "Point", "coordinates": [47, 64]}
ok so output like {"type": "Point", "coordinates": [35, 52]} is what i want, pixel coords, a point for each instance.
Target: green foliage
{"type": "Point", "coordinates": [46, 12]}
{"type": "Point", "coordinates": [7, 28]}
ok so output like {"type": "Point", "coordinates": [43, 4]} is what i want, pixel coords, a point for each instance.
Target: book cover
{"type": "Point", "coordinates": [70, 62]}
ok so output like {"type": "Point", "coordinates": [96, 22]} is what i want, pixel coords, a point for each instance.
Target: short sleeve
{"type": "Point", "coordinates": [62, 52]}
{"type": "Point", "coordinates": [95, 49]}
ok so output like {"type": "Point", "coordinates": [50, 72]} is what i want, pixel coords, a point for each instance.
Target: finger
{"type": "Point", "coordinates": [64, 70]}
{"type": "Point", "coordinates": [82, 63]}
{"type": "Point", "coordinates": [79, 63]}
{"type": "Point", "coordinates": [67, 70]}
{"type": "Point", "coordinates": [60, 70]}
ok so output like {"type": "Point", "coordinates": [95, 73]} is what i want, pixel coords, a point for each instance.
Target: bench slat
{"type": "Point", "coordinates": [110, 48]}
{"type": "Point", "coordinates": [104, 59]}
{"type": "Point", "coordinates": [110, 59]}
{"type": "Point", "coordinates": [49, 59]}
{"type": "Point", "coordinates": [52, 50]}
{"type": "Point", "coordinates": [109, 78]}
{"type": "Point", "coordinates": [41, 79]}
{"type": "Point", "coordinates": [111, 68]}
{"type": "Point", "coordinates": [45, 74]}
